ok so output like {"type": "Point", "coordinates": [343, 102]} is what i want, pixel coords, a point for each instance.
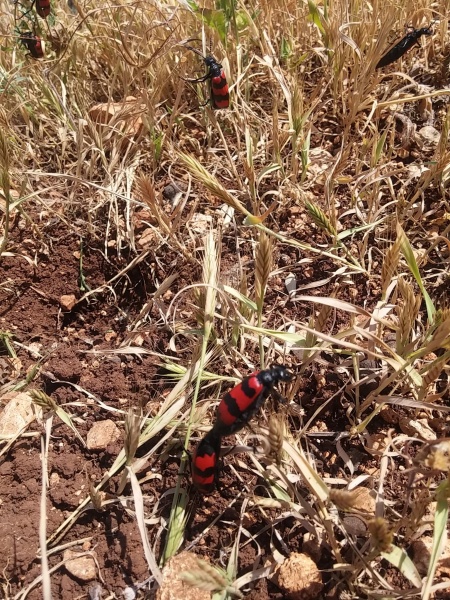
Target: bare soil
{"type": "Point", "coordinates": [31, 311]}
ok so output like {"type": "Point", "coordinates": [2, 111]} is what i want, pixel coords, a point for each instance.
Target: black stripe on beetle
{"type": "Point", "coordinates": [405, 44]}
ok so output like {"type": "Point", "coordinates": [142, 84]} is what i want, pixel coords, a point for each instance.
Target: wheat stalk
{"type": "Point", "coordinates": [5, 184]}
{"type": "Point", "coordinates": [210, 271]}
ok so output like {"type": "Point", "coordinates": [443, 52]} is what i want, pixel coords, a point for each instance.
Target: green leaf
{"type": "Point", "coordinates": [315, 16]}
{"type": "Point", "coordinates": [348, 232]}
{"type": "Point", "coordinates": [413, 267]}
{"type": "Point", "coordinates": [439, 534]}
{"type": "Point", "coordinates": [286, 49]}
{"type": "Point", "coordinates": [242, 20]}
{"type": "Point", "coordinates": [216, 20]}
{"type": "Point", "coordinates": [65, 418]}
{"type": "Point", "coordinates": [398, 557]}
{"type": "Point", "coordinates": [249, 303]}
{"type": "Point", "coordinates": [380, 146]}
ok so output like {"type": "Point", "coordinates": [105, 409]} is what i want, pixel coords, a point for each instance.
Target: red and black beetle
{"type": "Point", "coordinates": [33, 42]}
{"type": "Point", "coordinates": [43, 8]}
{"type": "Point", "coordinates": [220, 96]}
{"type": "Point", "coordinates": [205, 463]}
{"type": "Point", "coordinates": [241, 403]}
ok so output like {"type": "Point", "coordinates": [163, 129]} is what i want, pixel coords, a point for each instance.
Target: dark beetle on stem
{"type": "Point", "coordinates": [405, 44]}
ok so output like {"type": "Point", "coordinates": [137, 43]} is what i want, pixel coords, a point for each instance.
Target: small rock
{"type": "Point", "coordinates": [226, 213]}
{"type": "Point", "coordinates": [101, 434]}
{"type": "Point", "coordinates": [299, 578]}
{"type": "Point", "coordinates": [110, 335]}
{"type": "Point", "coordinates": [430, 134]}
{"type": "Point", "coordinates": [95, 591]}
{"type": "Point", "coordinates": [417, 428]}
{"type": "Point", "coordinates": [291, 284]}
{"type": "Point", "coordinates": [173, 192]}
{"type": "Point", "coordinates": [19, 411]}
{"type": "Point", "coordinates": [54, 479]}
{"type": "Point", "coordinates": [364, 501]}
{"type": "Point", "coordinates": [80, 565]}
{"type": "Point", "coordinates": [67, 302]}
{"type": "Point", "coordinates": [200, 223]}
{"type": "Point", "coordinates": [147, 239]}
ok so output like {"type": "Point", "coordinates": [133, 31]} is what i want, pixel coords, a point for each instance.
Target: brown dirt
{"type": "Point", "coordinates": [31, 312]}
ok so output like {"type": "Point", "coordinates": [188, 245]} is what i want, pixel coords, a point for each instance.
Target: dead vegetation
{"type": "Point", "coordinates": [308, 224]}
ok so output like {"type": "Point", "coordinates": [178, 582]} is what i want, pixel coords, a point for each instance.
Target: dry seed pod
{"type": "Point", "coordinates": [358, 499]}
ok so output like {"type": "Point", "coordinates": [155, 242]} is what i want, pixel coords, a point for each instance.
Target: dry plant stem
{"type": "Point", "coordinates": [231, 162]}
{"type": "Point", "coordinates": [291, 242]}
{"type": "Point", "coordinates": [263, 268]}
{"type": "Point", "coordinates": [6, 187]}
{"type": "Point", "coordinates": [139, 506]}
{"type": "Point", "coordinates": [177, 519]}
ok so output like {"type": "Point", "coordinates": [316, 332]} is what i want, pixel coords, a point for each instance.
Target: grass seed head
{"type": "Point", "coordinates": [200, 174]}
{"type": "Point", "coordinates": [41, 399]}
{"type": "Point", "coordinates": [276, 437]}
{"type": "Point", "coordinates": [206, 577]}
{"type": "Point", "coordinates": [97, 497]}
{"type": "Point", "coordinates": [320, 218]}
{"type": "Point", "coordinates": [407, 313]}
{"type": "Point", "coordinates": [146, 193]}
{"type": "Point", "coordinates": [263, 266]}
{"type": "Point", "coordinates": [435, 456]}
{"type": "Point", "coordinates": [382, 536]}
{"type": "Point", "coordinates": [344, 499]}
{"type": "Point", "coordinates": [132, 433]}
{"type": "Point", "coordinates": [390, 264]}
{"type": "Point", "coordinates": [433, 370]}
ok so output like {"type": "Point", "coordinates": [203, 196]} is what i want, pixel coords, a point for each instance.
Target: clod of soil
{"type": "Point", "coordinates": [19, 411]}
{"type": "Point", "coordinates": [101, 434]}
{"type": "Point", "coordinates": [299, 578]}
{"type": "Point", "coordinates": [80, 565]}
{"type": "Point", "coordinates": [173, 587]}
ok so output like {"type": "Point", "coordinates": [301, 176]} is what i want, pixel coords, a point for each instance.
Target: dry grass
{"type": "Point", "coordinates": [328, 178]}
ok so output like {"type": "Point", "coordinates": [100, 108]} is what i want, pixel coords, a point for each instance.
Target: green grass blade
{"type": "Point", "coordinates": [399, 559]}
{"type": "Point", "coordinates": [413, 267]}
{"type": "Point", "coordinates": [439, 535]}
